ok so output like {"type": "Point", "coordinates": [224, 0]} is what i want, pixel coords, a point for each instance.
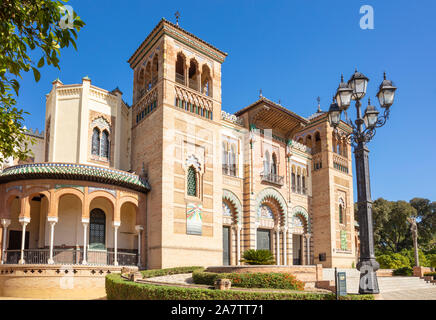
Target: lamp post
{"type": "Point", "coordinates": [363, 130]}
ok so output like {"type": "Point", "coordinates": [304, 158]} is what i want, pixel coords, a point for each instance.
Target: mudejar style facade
{"type": "Point", "coordinates": [173, 180]}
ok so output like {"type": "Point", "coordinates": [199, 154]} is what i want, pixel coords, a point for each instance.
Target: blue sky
{"type": "Point", "coordinates": [293, 50]}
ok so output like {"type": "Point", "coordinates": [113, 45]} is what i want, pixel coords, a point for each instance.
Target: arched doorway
{"type": "Point", "coordinates": [232, 226]}
{"type": "Point", "coordinates": [301, 236]}
{"type": "Point", "coordinates": [97, 229]}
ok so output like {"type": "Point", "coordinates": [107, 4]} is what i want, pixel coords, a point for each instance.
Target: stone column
{"type": "Point", "coordinates": [285, 254]}
{"type": "Point", "coordinates": [5, 224]}
{"type": "Point", "coordinates": [307, 235]}
{"type": "Point", "coordinates": [24, 221]}
{"type": "Point", "coordinates": [238, 228]}
{"type": "Point", "coordinates": [52, 221]}
{"type": "Point", "coordinates": [85, 222]}
{"type": "Point", "coordinates": [116, 224]}
{"type": "Point", "coordinates": [256, 226]}
{"type": "Point", "coordinates": [291, 248]}
{"type": "Point", "coordinates": [139, 229]}
{"type": "Point", "coordinates": [278, 245]}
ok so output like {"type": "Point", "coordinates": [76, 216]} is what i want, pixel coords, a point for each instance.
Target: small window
{"type": "Point", "coordinates": [105, 144]}
{"type": "Point", "coordinates": [341, 211]}
{"type": "Point", "coordinates": [96, 142]}
{"type": "Point", "coordinates": [192, 182]}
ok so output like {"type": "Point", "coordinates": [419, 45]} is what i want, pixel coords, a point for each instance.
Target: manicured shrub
{"type": "Point", "coordinates": [405, 271]}
{"type": "Point", "coordinates": [251, 280]}
{"type": "Point", "coordinates": [163, 272]}
{"type": "Point", "coordinates": [258, 257]}
{"type": "Point", "coordinates": [431, 274]}
{"type": "Point", "coordinates": [120, 289]}
{"type": "Point", "coordinates": [393, 261]}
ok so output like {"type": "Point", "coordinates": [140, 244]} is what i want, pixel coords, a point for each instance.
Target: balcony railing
{"type": "Point", "coordinates": [272, 178]}
{"type": "Point", "coordinates": [180, 78]}
{"type": "Point", "coordinates": [72, 257]}
{"type": "Point", "coordinates": [229, 170]}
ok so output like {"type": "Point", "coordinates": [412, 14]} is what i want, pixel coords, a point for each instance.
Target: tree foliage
{"type": "Point", "coordinates": [426, 222]}
{"type": "Point", "coordinates": [391, 229]}
{"type": "Point", "coordinates": [37, 26]}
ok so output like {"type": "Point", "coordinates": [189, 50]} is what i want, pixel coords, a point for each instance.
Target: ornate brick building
{"type": "Point", "coordinates": [173, 179]}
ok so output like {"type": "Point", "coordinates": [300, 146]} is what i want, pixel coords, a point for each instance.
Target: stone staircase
{"type": "Point", "coordinates": [386, 284]}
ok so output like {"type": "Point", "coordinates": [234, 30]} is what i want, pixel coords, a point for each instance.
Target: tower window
{"type": "Point", "coordinates": [104, 144]}
{"type": "Point", "coordinates": [192, 182]}
{"type": "Point", "coordinates": [96, 142]}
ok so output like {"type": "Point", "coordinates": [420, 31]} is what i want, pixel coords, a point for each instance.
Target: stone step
{"type": "Point", "coordinates": [389, 284]}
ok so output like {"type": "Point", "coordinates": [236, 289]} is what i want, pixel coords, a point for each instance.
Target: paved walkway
{"type": "Point", "coordinates": [418, 294]}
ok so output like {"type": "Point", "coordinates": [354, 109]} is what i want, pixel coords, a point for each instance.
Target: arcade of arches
{"type": "Point", "coordinates": [286, 235]}
{"type": "Point", "coordinates": [70, 222]}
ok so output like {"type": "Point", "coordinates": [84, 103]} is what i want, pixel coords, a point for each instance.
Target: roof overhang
{"type": "Point", "coordinates": [78, 172]}
{"type": "Point", "coordinates": [270, 115]}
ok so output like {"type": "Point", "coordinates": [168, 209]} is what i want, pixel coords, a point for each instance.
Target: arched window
{"type": "Point", "coordinates": [309, 141]}
{"type": "Point", "coordinates": [193, 74]}
{"type": "Point", "coordinates": [225, 159]}
{"type": "Point", "coordinates": [266, 163]}
{"type": "Point", "coordinates": [192, 182]}
{"type": "Point", "coordinates": [180, 69]}
{"type": "Point", "coordinates": [97, 229]}
{"type": "Point", "coordinates": [147, 82]}
{"type": "Point", "coordinates": [293, 180]}
{"type": "Point", "coordinates": [274, 164]}
{"type": "Point", "coordinates": [345, 149]}
{"type": "Point", "coordinates": [155, 70]}
{"type": "Point", "coordinates": [232, 160]}
{"type": "Point", "coordinates": [105, 144]}
{"type": "Point", "coordinates": [206, 81]}
{"type": "Point", "coordinates": [95, 142]}
{"type": "Point", "coordinates": [298, 182]}
{"type": "Point", "coordinates": [303, 181]}
{"type": "Point", "coordinates": [341, 211]}
{"type": "Point", "coordinates": [317, 143]}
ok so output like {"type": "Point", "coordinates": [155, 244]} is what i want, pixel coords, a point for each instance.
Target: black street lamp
{"type": "Point", "coordinates": [363, 130]}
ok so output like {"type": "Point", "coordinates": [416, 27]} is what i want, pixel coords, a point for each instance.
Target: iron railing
{"type": "Point", "coordinates": [229, 170]}
{"type": "Point", "coordinates": [272, 178]}
{"type": "Point", "coordinates": [73, 256]}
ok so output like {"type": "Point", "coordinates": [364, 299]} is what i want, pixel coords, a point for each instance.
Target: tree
{"type": "Point", "coordinates": [426, 222]}
{"type": "Point", "coordinates": [28, 25]}
{"type": "Point", "coordinates": [391, 229]}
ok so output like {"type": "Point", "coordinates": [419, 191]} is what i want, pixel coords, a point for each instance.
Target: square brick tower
{"type": "Point", "coordinates": [332, 193]}
{"type": "Point", "coordinates": [176, 121]}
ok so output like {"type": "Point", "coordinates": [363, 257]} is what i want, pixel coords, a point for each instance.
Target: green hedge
{"type": "Point", "coordinates": [119, 289]}
{"type": "Point", "coordinates": [406, 271]}
{"type": "Point", "coordinates": [251, 280]}
{"type": "Point", "coordinates": [430, 274]}
{"type": "Point", "coordinates": [163, 272]}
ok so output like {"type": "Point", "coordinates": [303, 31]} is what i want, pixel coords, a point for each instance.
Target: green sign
{"type": "Point", "coordinates": [342, 284]}
{"type": "Point", "coordinates": [343, 240]}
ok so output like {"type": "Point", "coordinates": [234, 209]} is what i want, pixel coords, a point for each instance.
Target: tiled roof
{"type": "Point", "coordinates": [263, 99]}
{"type": "Point", "coordinates": [71, 171]}
{"type": "Point", "coordinates": [316, 115]}
{"type": "Point", "coordinates": [161, 22]}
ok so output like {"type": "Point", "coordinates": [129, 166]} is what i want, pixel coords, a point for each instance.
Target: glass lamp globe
{"type": "Point", "coordinates": [358, 82]}
{"type": "Point", "coordinates": [371, 116]}
{"type": "Point", "coordinates": [386, 93]}
{"type": "Point", "coordinates": [334, 114]}
{"type": "Point", "coordinates": [343, 95]}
